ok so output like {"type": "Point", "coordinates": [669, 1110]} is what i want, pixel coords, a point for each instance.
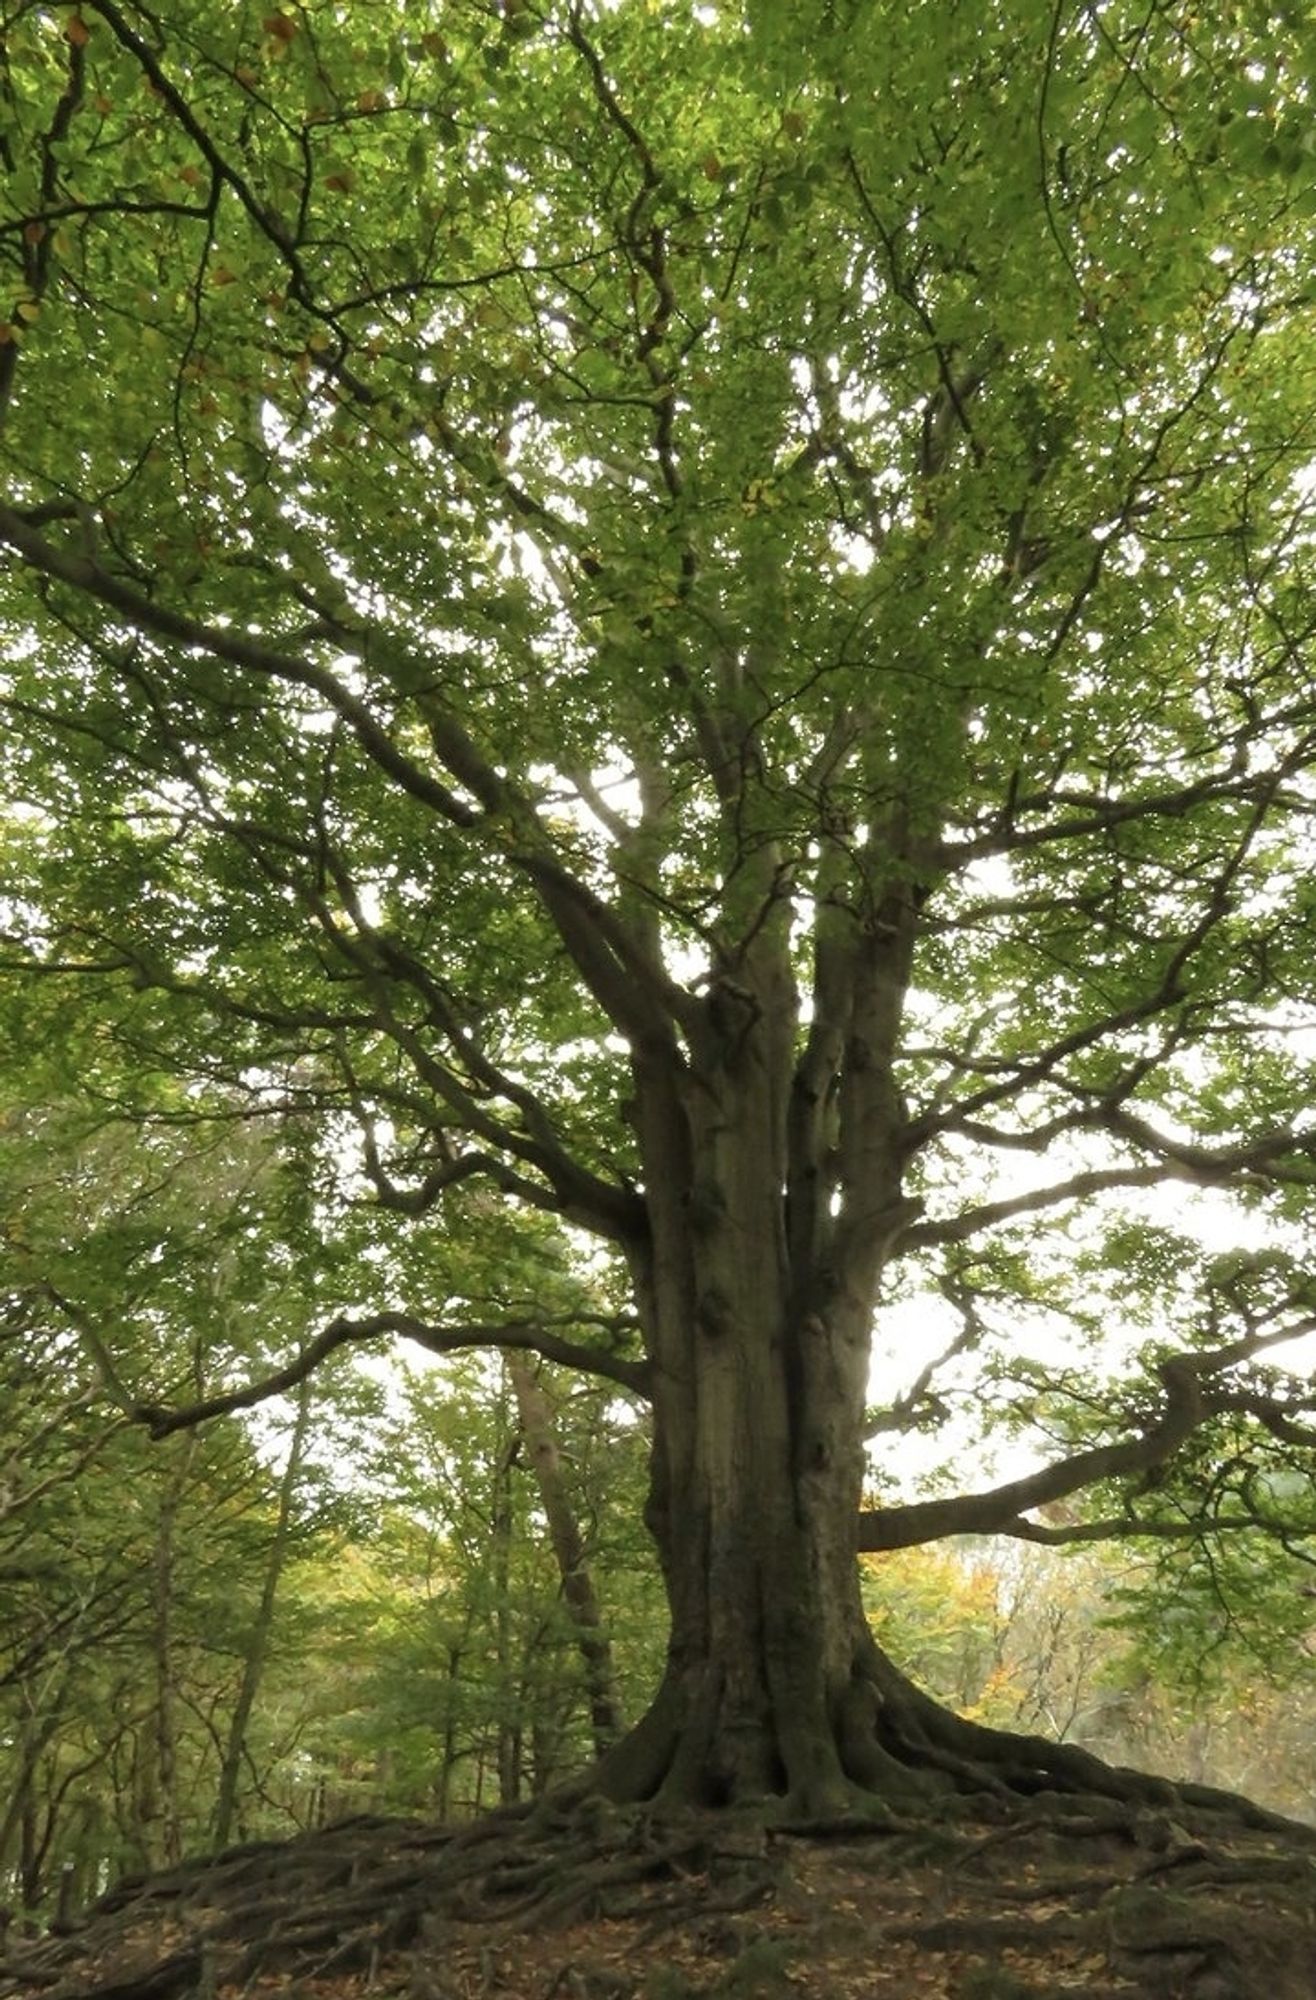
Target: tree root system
{"type": "Point", "coordinates": [1056, 1894]}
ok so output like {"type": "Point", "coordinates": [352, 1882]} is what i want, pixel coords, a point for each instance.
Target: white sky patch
{"type": "Point", "coordinates": [910, 1332]}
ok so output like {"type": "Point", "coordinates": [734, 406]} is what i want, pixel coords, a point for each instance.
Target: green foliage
{"type": "Point", "coordinates": [419, 1657]}
{"type": "Point", "coordinates": [942, 374]}
{"type": "Point", "coordinates": [449, 1626]}
{"type": "Point", "coordinates": [486, 383]}
{"type": "Point", "coordinates": [129, 1583]}
{"type": "Point", "coordinates": [533, 535]}
{"type": "Point", "coordinates": [1137, 1654]}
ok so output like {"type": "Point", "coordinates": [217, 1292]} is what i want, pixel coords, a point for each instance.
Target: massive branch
{"type": "Point", "coordinates": [1199, 1166]}
{"type": "Point", "coordinates": [625, 979]}
{"type": "Point", "coordinates": [536, 1337]}
{"type": "Point", "coordinates": [1188, 1403]}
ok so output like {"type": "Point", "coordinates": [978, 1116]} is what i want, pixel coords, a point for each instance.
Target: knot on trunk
{"type": "Point", "coordinates": [714, 1312]}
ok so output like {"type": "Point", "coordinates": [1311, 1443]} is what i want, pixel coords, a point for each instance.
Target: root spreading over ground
{"type": "Point", "coordinates": [1063, 1893]}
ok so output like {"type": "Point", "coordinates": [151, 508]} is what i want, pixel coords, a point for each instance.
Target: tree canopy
{"type": "Point", "coordinates": [686, 627]}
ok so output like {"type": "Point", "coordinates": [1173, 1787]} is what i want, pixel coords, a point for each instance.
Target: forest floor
{"type": "Point", "coordinates": [1062, 1898]}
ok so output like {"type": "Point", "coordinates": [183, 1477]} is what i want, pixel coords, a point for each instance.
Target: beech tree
{"type": "Point", "coordinates": [690, 626]}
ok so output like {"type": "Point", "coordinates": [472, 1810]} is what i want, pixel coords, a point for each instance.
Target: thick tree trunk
{"type": "Point", "coordinates": [774, 1688]}
{"type": "Point", "coordinates": [756, 1289]}
{"type": "Point", "coordinates": [767, 1639]}
{"type": "Point", "coordinates": [773, 1152]}
{"type": "Point", "coordinates": [773, 1162]}
{"type": "Point", "coordinates": [773, 1685]}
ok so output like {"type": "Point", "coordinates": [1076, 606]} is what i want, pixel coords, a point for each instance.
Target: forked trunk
{"type": "Point", "coordinates": [760, 1357]}
{"type": "Point", "coordinates": [772, 1184]}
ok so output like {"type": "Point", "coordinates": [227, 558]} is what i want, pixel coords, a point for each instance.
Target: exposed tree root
{"type": "Point", "coordinates": [1101, 1883]}
{"type": "Point", "coordinates": [975, 1760]}
{"type": "Point", "coordinates": [997, 1845]}
{"type": "Point", "coordinates": [889, 1751]}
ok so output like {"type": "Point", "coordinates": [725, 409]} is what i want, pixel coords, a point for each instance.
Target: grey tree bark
{"type": "Point", "coordinates": [258, 1641]}
{"type": "Point", "coordinates": [578, 1591]}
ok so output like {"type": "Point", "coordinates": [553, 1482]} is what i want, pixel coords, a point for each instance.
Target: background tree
{"type": "Point", "coordinates": [1075, 1644]}
{"type": "Point", "coordinates": [223, 1635]}
{"type": "Point", "coordinates": [127, 1593]}
{"type": "Point", "coordinates": [476, 1682]}
{"type": "Point", "coordinates": [695, 623]}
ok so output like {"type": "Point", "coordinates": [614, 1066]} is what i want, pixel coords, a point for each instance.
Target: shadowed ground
{"type": "Point", "coordinates": [993, 1901]}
